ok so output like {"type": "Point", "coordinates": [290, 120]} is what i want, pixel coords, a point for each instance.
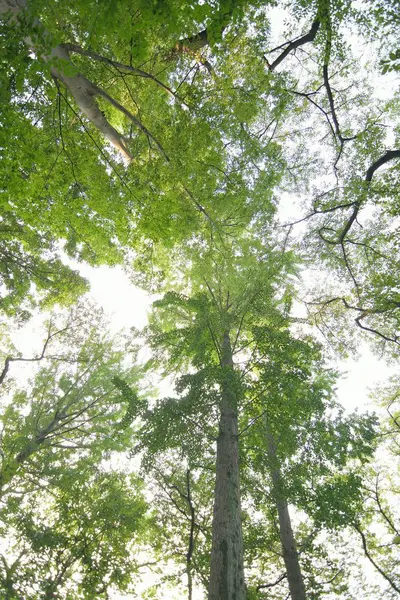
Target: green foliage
{"type": "Point", "coordinates": [134, 405]}
{"type": "Point", "coordinates": [72, 533]}
{"type": "Point", "coordinates": [213, 134]}
{"type": "Point", "coordinates": [77, 540]}
{"type": "Point", "coordinates": [71, 409]}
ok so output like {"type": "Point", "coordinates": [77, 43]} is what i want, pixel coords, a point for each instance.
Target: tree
{"type": "Point", "coordinates": [285, 406]}
{"type": "Point", "coordinates": [166, 194]}
{"type": "Point", "coordinates": [73, 407]}
{"type": "Point", "coordinates": [182, 499]}
{"type": "Point", "coordinates": [170, 143]}
{"type": "Point", "coordinates": [234, 292]}
{"type": "Point", "coordinates": [73, 539]}
{"type": "Point", "coordinates": [68, 523]}
{"type": "Point", "coordinates": [377, 528]}
{"type": "Point", "coordinates": [299, 450]}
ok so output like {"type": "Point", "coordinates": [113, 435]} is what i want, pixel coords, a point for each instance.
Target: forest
{"type": "Point", "coordinates": [239, 162]}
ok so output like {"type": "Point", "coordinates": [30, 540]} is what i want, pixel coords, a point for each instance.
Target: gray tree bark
{"type": "Point", "coordinates": [227, 571]}
{"type": "Point", "coordinates": [289, 550]}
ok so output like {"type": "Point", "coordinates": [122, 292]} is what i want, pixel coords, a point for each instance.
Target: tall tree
{"type": "Point", "coordinates": [237, 291]}
{"type": "Point", "coordinates": [67, 523]}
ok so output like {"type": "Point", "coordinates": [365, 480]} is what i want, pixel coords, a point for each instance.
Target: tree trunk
{"type": "Point", "coordinates": [191, 537]}
{"type": "Point", "coordinates": [227, 571]}
{"type": "Point", "coordinates": [289, 550]}
{"type": "Point", "coordinates": [82, 90]}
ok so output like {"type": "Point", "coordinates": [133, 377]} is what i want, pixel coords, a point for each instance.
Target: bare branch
{"type": "Point", "coordinates": [292, 45]}
{"type": "Point", "coordinates": [372, 561]}
{"type": "Point", "coordinates": [365, 312]}
{"type": "Point", "coordinates": [10, 359]}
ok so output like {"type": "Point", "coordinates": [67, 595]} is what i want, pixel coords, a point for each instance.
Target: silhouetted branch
{"type": "Point", "coordinates": [293, 44]}
{"type": "Point", "coordinates": [372, 561]}
{"type": "Point", "coordinates": [264, 586]}
{"type": "Point", "coordinates": [11, 359]}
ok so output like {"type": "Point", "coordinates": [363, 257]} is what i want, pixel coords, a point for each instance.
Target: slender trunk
{"type": "Point", "coordinates": [289, 550]}
{"type": "Point", "coordinates": [227, 571]}
{"type": "Point", "coordinates": [189, 581]}
{"type": "Point", "coordinates": [191, 537]}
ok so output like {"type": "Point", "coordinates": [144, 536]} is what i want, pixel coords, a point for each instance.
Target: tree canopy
{"type": "Point", "coordinates": [240, 159]}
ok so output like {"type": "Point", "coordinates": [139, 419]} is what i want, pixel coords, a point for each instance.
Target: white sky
{"type": "Point", "coordinates": [127, 306]}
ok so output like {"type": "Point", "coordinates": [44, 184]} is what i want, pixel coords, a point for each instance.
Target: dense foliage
{"type": "Point", "coordinates": [240, 159]}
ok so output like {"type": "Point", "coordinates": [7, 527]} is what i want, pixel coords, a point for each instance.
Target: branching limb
{"type": "Point", "coordinates": [118, 65]}
{"type": "Point", "coordinates": [364, 312]}
{"type": "Point", "coordinates": [197, 204]}
{"type": "Point", "coordinates": [314, 103]}
{"type": "Point", "coordinates": [84, 92]}
{"type": "Point", "coordinates": [373, 562]}
{"type": "Point", "coordinates": [100, 92]}
{"type": "Point", "coordinates": [292, 45]}
{"type": "Point", "coordinates": [41, 356]}
{"type": "Point", "coordinates": [385, 158]}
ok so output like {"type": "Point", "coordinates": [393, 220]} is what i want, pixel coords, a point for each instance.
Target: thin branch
{"type": "Point", "coordinates": [324, 112]}
{"type": "Point", "coordinates": [383, 513]}
{"type": "Point", "coordinates": [10, 359]}
{"type": "Point", "coordinates": [264, 586]}
{"type": "Point", "coordinates": [372, 561]}
{"type": "Point", "coordinates": [365, 312]}
{"type": "Point", "coordinates": [131, 117]}
{"type": "Point", "coordinates": [199, 207]}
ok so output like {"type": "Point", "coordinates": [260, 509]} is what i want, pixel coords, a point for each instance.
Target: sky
{"type": "Point", "coordinates": [128, 306]}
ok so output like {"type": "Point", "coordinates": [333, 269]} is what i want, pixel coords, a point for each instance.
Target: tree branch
{"type": "Point", "coordinates": [113, 63]}
{"type": "Point", "coordinates": [385, 158]}
{"type": "Point", "coordinates": [10, 359]}
{"type": "Point", "coordinates": [264, 586]}
{"type": "Point", "coordinates": [100, 92]}
{"type": "Point", "coordinates": [292, 45]}
{"type": "Point", "coordinates": [372, 561]}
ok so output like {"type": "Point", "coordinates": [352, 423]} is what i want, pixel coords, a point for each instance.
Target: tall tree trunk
{"type": "Point", "coordinates": [289, 550]}
{"type": "Point", "coordinates": [227, 571]}
{"type": "Point", "coordinates": [191, 537]}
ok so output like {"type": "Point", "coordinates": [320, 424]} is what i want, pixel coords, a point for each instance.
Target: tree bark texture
{"type": "Point", "coordinates": [289, 550]}
{"type": "Point", "coordinates": [227, 571]}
